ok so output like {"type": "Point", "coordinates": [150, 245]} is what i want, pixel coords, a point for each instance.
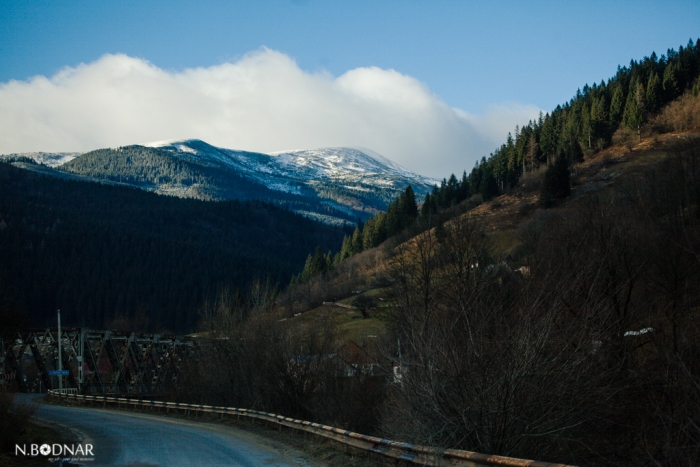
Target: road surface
{"type": "Point", "coordinates": [136, 439]}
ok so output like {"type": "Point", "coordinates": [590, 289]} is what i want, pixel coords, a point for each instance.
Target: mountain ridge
{"type": "Point", "coordinates": [334, 185]}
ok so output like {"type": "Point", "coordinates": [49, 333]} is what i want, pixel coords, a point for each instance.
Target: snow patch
{"type": "Point", "coordinates": [51, 159]}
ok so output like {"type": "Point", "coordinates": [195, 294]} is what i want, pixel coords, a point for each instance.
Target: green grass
{"type": "Point", "coordinates": [349, 323]}
{"type": "Point", "coordinates": [374, 293]}
{"type": "Point", "coordinates": [359, 329]}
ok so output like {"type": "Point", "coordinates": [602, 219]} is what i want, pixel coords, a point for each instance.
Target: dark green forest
{"type": "Point", "coordinates": [588, 122]}
{"type": "Point", "coordinates": [102, 253]}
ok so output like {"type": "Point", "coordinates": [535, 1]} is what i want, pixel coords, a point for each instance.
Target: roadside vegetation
{"type": "Point", "coordinates": [17, 427]}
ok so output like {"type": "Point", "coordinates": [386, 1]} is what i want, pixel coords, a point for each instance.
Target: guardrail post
{"type": "Point", "coordinates": [401, 453]}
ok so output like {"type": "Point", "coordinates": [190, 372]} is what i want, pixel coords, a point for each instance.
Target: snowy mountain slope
{"type": "Point", "coordinates": [335, 185]}
{"type": "Point", "coordinates": [344, 165]}
{"type": "Point", "coordinates": [51, 159]}
{"type": "Point", "coordinates": [347, 164]}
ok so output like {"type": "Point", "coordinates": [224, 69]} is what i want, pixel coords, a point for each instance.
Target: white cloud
{"type": "Point", "coordinates": [263, 102]}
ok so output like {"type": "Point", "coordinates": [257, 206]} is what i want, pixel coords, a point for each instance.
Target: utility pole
{"type": "Point", "coordinates": [60, 355]}
{"type": "Point", "coordinates": [2, 360]}
{"type": "Point", "coordinates": [400, 362]}
{"type": "Point", "coordinates": [80, 360]}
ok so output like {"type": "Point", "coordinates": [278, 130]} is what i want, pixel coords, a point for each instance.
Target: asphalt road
{"type": "Point", "coordinates": [135, 439]}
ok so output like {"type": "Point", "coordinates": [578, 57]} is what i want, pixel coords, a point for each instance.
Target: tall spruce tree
{"type": "Point", "coordinates": [489, 185]}
{"type": "Point", "coordinates": [617, 105]}
{"type": "Point", "coordinates": [653, 92]}
{"type": "Point", "coordinates": [557, 181]}
{"type": "Point", "coordinates": [634, 107]}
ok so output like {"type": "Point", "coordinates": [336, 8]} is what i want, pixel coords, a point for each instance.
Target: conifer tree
{"type": "Point", "coordinates": [617, 105]}
{"type": "Point", "coordinates": [464, 187]}
{"type": "Point", "coordinates": [346, 248]}
{"type": "Point", "coordinates": [634, 107]}
{"type": "Point", "coordinates": [557, 181]}
{"type": "Point", "coordinates": [531, 153]}
{"type": "Point", "coordinates": [426, 208]}
{"type": "Point", "coordinates": [356, 242]}
{"type": "Point", "coordinates": [368, 234]}
{"type": "Point", "coordinates": [409, 203]}
{"type": "Point", "coordinates": [653, 92]}
{"type": "Point", "coordinates": [671, 84]}
{"type": "Point", "coordinates": [489, 185]}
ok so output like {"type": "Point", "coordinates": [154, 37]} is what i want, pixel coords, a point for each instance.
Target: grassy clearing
{"type": "Point", "coordinates": [348, 323]}
{"type": "Point", "coordinates": [376, 294]}
{"type": "Point", "coordinates": [360, 329]}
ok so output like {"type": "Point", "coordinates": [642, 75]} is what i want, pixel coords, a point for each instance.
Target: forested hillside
{"type": "Point", "coordinates": [157, 170]}
{"type": "Point", "coordinates": [651, 96]}
{"type": "Point", "coordinates": [617, 109]}
{"type": "Point", "coordinates": [102, 252]}
{"type": "Point", "coordinates": [555, 318]}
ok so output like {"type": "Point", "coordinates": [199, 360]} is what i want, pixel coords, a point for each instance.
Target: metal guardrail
{"type": "Point", "coordinates": [416, 454]}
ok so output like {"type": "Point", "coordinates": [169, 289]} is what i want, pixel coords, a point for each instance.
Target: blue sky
{"type": "Point", "coordinates": [481, 58]}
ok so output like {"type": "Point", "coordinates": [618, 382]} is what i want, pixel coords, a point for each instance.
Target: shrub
{"type": "Point", "coordinates": [682, 114]}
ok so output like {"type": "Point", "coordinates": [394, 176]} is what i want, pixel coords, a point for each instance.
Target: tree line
{"type": "Point", "coordinates": [587, 122]}
{"type": "Point", "coordinates": [400, 214]}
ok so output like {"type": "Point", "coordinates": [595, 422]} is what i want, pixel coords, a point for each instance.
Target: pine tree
{"type": "Point", "coordinates": [557, 181]}
{"type": "Point", "coordinates": [617, 105]}
{"type": "Point", "coordinates": [463, 192]}
{"type": "Point", "coordinates": [671, 83]}
{"type": "Point", "coordinates": [531, 153]}
{"type": "Point", "coordinates": [346, 249]}
{"type": "Point", "coordinates": [426, 209]}
{"type": "Point", "coordinates": [599, 120]}
{"type": "Point", "coordinates": [356, 242]}
{"type": "Point", "coordinates": [587, 125]}
{"type": "Point", "coordinates": [489, 185]}
{"type": "Point", "coordinates": [548, 137]}
{"type": "Point", "coordinates": [653, 92]}
{"type": "Point", "coordinates": [368, 234]}
{"type": "Point", "coordinates": [632, 117]}
{"type": "Point", "coordinates": [410, 208]}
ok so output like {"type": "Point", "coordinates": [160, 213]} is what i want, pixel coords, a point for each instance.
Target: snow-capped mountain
{"type": "Point", "coordinates": [333, 185]}
{"type": "Point", "coordinates": [343, 165]}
